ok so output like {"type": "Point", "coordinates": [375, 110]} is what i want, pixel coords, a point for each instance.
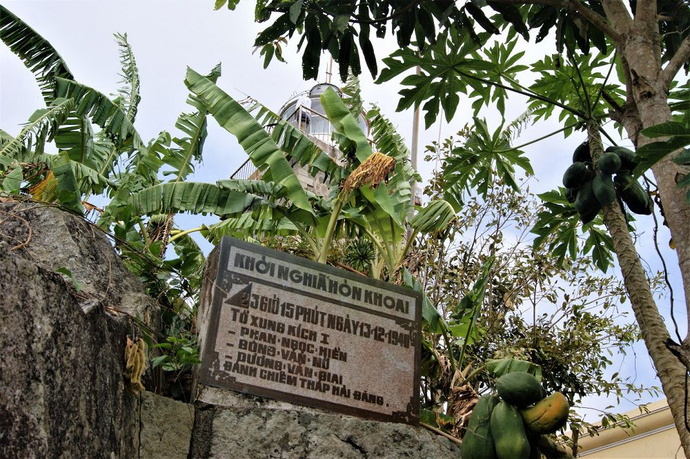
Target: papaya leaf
{"type": "Point", "coordinates": [669, 129]}
{"type": "Point", "coordinates": [601, 245]}
{"type": "Point", "coordinates": [649, 154]}
{"type": "Point", "coordinates": [445, 67]}
{"type": "Point", "coordinates": [484, 155]}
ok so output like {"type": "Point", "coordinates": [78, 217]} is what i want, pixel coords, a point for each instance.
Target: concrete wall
{"type": "Point", "coordinates": [654, 436]}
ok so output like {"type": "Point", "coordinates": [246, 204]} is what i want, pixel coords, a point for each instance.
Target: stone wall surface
{"type": "Point", "coordinates": [166, 427]}
{"type": "Point", "coordinates": [62, 387]}
{"type": "Point", "coordinates": [52, 239]}
{"type": "Point", "coordinates": [253, 427]}
{"type": "Point", "coordinates": [62, 390]}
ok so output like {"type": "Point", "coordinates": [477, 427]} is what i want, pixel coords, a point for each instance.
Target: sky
{"type": "Point", "coordinates": [169, 35]}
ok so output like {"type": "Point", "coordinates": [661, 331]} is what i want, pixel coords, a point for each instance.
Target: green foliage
{"type": "Point", "coordinates": [181, 354]}
{"type": "Point", "coordinates": [262, 150]}
{"type": "Point", "coordinates": [482, 160]}
{"type": "Point", "coordinates": [439, 82]}
{"type": "Point", "coordinates": [577, 87]}
{"type": "Point", "coordinates": [70, 276]}
{"type": "Point", "coordinates": [677, 136]}
{"type": "Point", "coordinates": [36, 52]}
{"type": "Point", "coordinates": [559, 325]}
{"type": "Point", "coordinates": [557, 228]}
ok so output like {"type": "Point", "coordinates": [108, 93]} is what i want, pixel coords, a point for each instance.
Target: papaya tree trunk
{"type": "Point", "coordinates": [670, 370]}
{"type": "Point", "coordinates": [648, 89]}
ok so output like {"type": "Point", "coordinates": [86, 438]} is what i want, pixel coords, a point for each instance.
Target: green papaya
{"type": "Point", "coordinates": [586, 203]}
{"type": "Point", "coordinates": [609, 163]}
{"type": "Point", "coordinates": [576, 175]}
{"type": "Point", "coordinates": [478, 442]}
{"type": "Point", "coordinates": [626, 156]}
{"type": "Point", "coordinates": [570, 194]}
{"type": "Point", "coordinates": [632, 193]}
{"type": "Point", "coordinates": [534, 452]}
{"type": "Point", "coordinates": [508, 430]}
{"type": "Point", "coordinates": [519, 389]}
{"type": "Point", "coordinates": [582, 153]}
{"type": "Point", "coordinates": [604, 189]}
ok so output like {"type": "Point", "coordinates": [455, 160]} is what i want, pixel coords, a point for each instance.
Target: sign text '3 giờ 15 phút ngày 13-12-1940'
{"type": "Point", "coordinates": [288, 328]}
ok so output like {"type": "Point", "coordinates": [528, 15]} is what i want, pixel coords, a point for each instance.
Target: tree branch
{"type": "Point", "coordinates": [645, 11]}
{"type": "Point", "coordinates": [676, 62]}
{"type": "Point", "coordinates": [618, 17]}
{"type": "Point", "coordinates": [681, 351]}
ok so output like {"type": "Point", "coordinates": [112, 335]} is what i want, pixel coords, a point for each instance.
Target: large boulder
{"type": "Point", "coordinates": [51, 239]}
{"type": "Point", "coordinates": [62, 386]}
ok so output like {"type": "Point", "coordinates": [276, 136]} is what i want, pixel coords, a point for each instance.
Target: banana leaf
{"type": "Point", "coordinates": [204, 198]}
{"type": "Point", "coordinates": [36, 52]}
{"type": "Point", "coordinates": [41, 128]}
{"type": "Point", "coordinates": [261, 148]}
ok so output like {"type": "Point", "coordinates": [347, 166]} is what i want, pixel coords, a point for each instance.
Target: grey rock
{"type": "Point", "coordinates": [62, 387]}
{"type": "Point", "coordinates": [253, 427]}
{"type": "Point", "coordinates": [166, 427]}
{"type": "Point", "coordinates": [51, 238]}
{"type": "Point", "coordinates": [62, 391]}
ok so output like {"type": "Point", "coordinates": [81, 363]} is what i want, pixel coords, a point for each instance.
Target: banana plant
{"type": "Point", "coordinates": [86, 160]}
{"type": "Point", "coordinates": [370, 199]}
{"type": "Point", "coordinates": [100, 151]}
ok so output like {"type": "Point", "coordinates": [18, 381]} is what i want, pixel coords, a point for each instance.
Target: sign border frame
{"type": "Point", "coordinates": [411, 417]}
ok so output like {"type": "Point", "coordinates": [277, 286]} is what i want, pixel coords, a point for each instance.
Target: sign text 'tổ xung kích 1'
{"type": "Point", "coordinates": [291, 329]}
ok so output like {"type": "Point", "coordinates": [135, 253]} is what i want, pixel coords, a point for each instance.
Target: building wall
{"type": "Point", "coordinates": [654, 436]}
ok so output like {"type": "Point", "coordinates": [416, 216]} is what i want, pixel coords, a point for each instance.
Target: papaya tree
{"type": "Point", "coordinates": [647, 43]}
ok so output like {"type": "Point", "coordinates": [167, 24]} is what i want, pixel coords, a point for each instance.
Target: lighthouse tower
{"type": "Point", "coordinates": [304, 111]}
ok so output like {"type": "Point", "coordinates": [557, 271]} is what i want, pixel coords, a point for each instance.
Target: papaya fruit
{"type": "Point", "coordinates": [604, 189]}
{"type": "Point", "coordinates": [547, 415]}
{"type": "Point", "coordinates": [626, 156]}
{"type": "Point", "coordinates": [534, 452]}
{"type": "Point", "coordinates": [609, 163]}
{"type": "Point", "coordinates": [478, 443]}
{"type": "Point", "coordinates": [586, 203]}
{"type": "Point", "coordinates": [519, 389]}
{"type": "Point", "coordinates": [510, 438]}
{"type": "Point", "coordinates": [582, 153]}
{"type": "Point", "coordinates": [632, 193]}
{"type": "Point", "coordinates": [576, 175]}
{"type": "Point", "coordinates": [570, 194]}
